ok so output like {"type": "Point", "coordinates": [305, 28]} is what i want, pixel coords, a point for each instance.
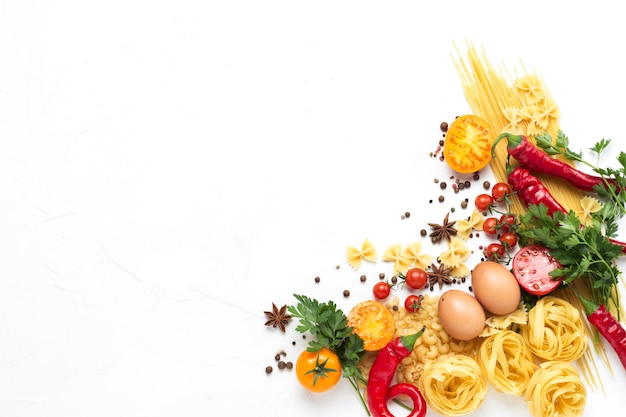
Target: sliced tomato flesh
{"type": "Point", "coordinates": [467, 147]}
{"type": "Point", "coordinates": [532, 266]}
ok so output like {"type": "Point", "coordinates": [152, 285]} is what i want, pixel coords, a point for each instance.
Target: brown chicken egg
{"type": "Point", "coordinates": [460, 314]}
{"type": "Point", "coordinates": [496, 288]}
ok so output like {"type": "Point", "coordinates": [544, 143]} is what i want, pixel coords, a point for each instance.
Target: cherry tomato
{"type": "Point", "coordinates": [467, 146]}
{"type": "Point", "coordinates": [381, 290]}
{"type": "Point", "coordinates": [490, 226]}
{"type": "Point", "coordinates": [416, 278]}
{"type": "Point", "coordinates": [509, 239]}
{"type": "Point", "coordinates": [506, 222]}
{"type": "Point", "coordinates": [483, 201]}
{"type": "Point", "coordinates": [413, 302]}
{"type": "Point", "coordinates": [500, 190]}
{"type": "Point", "coordinates": [532, 266]}
{"type": "Point", "coordinates": [318, 371]}
{"type": "Point", "coordinates": [494, 252]}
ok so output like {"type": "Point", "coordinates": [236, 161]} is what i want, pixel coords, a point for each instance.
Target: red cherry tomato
{"type": "Point", "coordinates": [416, 278]}
{"type": "Point", "coordinates": [381, 290]}
{"type": "Point", "coordinates": [490, 226]}
{"type": "Point", "coordinates": [506, 222]}
{"type": "Point", "coordinates": [500, 190]}
{"type": "Point", "coordinates": [509, 239]}
{"type": "Point", "coordinates": [413, 302]}
{"type": "Point", "coordinates": [494, 252]}
{"type": "Point", "coordinates": [483, 201]}
{"type": "Point", "coordinates": [532, 266]}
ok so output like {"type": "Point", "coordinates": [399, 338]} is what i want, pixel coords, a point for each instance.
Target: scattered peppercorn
{"type": "Point", "coordinates": [486, 185]}
{"type": "Point", "coordinates": [394, 279]}
{"type": "Point", "coordinates": [281, 365]}
{"type": "Point", "coordinates": [476, 176]}
{"type": "Point", "coordinates": [443, 126]}
{"type": "Point", "coordinates": [289, 365]}
{"type": "Point", "coordinates": [443, 185]}
{"type": "Point", "coordinates": [381, 275]}
{"type": "Point", "coordinates": [423, 232]}
{"type": "Point", "coordinates": [441, 198]}
{"type": "Point", "coordinates": [277, 357]}
{"type": "Point", "coordinates": [268, 369]}
{"type": "Point", "coordinates": [346, 293]}
{"type": "Point", "coordinates": [363, 278]}
{"type": "Point", "coordinates": [407, 214]}
{"type": "Point", "coordinates": [464, 204]}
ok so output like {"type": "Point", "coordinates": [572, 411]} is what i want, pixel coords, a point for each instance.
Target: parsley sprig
{"type": "Point", "coordinates": [584, 251]}
{"type": "Point", "coordinates": [614, 189]}
{"type": "Point", "coordinates": [330, 327]}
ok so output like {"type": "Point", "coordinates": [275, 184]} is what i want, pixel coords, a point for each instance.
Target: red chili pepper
{"type": "Point", "coordinates": [531, 191]}
{"type": "Point", "coordinates": [382, 373]}
{"type": "Point", "coordinates": [533, 158]}
{"type": "Point", "coordinates": [608, 326]}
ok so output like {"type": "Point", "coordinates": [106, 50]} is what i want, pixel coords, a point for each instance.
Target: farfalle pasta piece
{"type": "Point", "coordinates": [457, 252]}
{"type": "Point", "coordinates": [515, 121]}
{"type": "Point", "coordinates": [519, 316]}
{"type": "Point", "coordinates": [465, 227]}
{"type": "Point", "coordinates": [556, 389]}
{"type": "Point", "coordinates": [531, 88]}
{"type": "Point", "coordinates": [394, 254]}
{"type": "Point", "coordinates": [588, 205]}
{"type": "Point", "coordinates": [453, 385]}
{"type": "Point", "coordinates": [460, 271]}
{"type": "Point", "coordinates": [412, 253]}
{"type": "Point", "coordinates": [355, 256]}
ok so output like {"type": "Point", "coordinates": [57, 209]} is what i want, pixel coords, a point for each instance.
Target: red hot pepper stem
{"type": "Point", "coordinates": [381, 376]}
{"type": "Point", "coordinates": [535, 159]}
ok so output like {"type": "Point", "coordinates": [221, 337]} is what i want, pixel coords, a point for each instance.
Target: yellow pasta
{"type": "Point", "coordinates": [394, 254]}
{"type": "Point", "coordinates": [413, 254]}
{"type": "Point", "coordinates": [456, 253]}
{"type": "Point", "coordinates": [556, 390]}
{"type": "Point", "coordinates": [355, 256]}
{"type": "Point", "coordinates": [506, 362]}
{"type": "Point", "coordinates": [555, 330]}
{"type": "Point", "coordinates": [453, 386]}
{"type": "Point", "coordinates": [588, 205]}
{"type": "Point", "coordinates": [465, 227]}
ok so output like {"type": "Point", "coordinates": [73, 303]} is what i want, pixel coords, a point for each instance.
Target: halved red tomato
{"type": "Point", "coordinates": [532, 266]}
{"type": "Point", "coordinates": [467, 147]}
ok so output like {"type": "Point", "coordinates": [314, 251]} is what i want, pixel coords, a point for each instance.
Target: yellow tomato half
{"type": "Point", "coordinates": [467, 147]}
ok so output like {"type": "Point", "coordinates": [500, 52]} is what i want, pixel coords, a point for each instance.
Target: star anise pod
{"type": "Point", "coordinates": [439, 275]}
{"type": "Point", "coordinates": [278, 317]}
{"type": "Point", "coordinates": [445, 230]}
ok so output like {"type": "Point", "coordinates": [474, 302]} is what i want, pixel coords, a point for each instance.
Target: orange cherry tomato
{"type": "Point", "coordinates": [467, 146]}
{"type": "Point", "coordinates": [318, 371]}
